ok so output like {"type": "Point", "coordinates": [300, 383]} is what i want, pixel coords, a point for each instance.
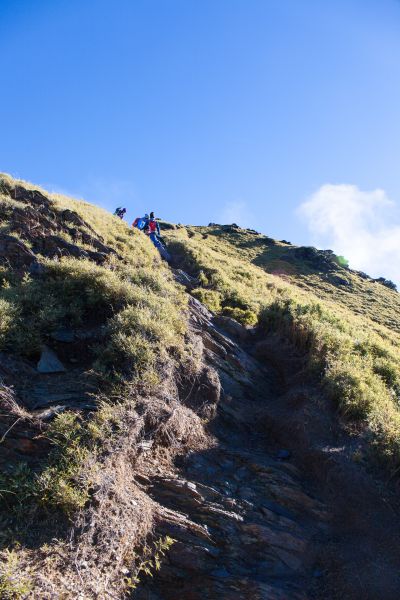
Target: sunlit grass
{"type": "Point", "coordinates": [131, 299]}
{"type": "Point", "coordinates": [357, 359]}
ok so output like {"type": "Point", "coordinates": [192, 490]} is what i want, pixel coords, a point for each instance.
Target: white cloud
{"type": "Point", "coordinates": [362, 226]}
{"type": "Point", "coordinates": [237, 211]}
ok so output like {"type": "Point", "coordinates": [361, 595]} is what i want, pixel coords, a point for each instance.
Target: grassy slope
{"type": "Point", "coordinates": [132, 298]}
{"type": "Point", "coordinates": [351, 337]}
{"type": "Point", "coordinates": [132, 295]}
{"type": "Point", "coordinates": [362, 296]}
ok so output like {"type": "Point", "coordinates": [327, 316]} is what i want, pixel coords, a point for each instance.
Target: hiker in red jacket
{"type": "Point", "coordinates": [153, 230]}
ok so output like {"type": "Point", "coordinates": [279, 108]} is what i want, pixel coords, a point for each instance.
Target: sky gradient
{"type": "Point", "coordinates": [219, 110]}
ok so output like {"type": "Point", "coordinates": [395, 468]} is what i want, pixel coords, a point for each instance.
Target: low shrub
{"type": "Point", "coordinates": [210, 298]}
{"type": "Point", "coordinates": [13, 585]}
{"type": "Point", "coordinates": [244, 316]}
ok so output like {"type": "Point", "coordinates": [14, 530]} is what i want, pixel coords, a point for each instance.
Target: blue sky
{"type": "Point", "coordinates": [278, 114]}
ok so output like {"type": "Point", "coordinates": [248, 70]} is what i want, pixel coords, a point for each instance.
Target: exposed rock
{"type": "Point", "coordinates": [362, 274]}
{"type": "Point", "coordinates": [183, 278]}
{"type": "Point", "coordinates": [232, 228]}
{"type": "Point", "coordinates": [32, 196]}
{"type": "Point", "coordinates": [180, 486]}
{"type": "Point", "coordinates": [49, 413]}
{"type": "Point", "coordinates": [295, 562]}
{"type": "Point", "coordinates": [60, 393]}
{"type": "Point", "coordinates": [54, 245]}
{"type": "Point", "coordinates": [283, 454]}
{"type": "Point", "coordinates": [42, 224]}
{"type": "Point", "coordinates": [322, 260]}
{"type": "Point", "coordinates": [268, 535]}
{"type": "Point", "coordinates": [15, 253]}
{"type": "Point", "coordinates": [199, 314]}
{"type": "Point", "coordinates": [336, 280]}
{"type": "Point", "coordinates": [192, 558]}
{"type": "Point", "coordinates": [292, 497]}
{"type": "Point", "coordinates": [36, 269]}
{"type": "Point", "coordinates": [387, 283]}
{"type": "Point", "coordinates": [233, 327]}
{"type": "Point", "coordinates": [49, 362]}
{"type": "Point", "coordinates": [211, 344]}
{"type": "Point", "coordinates": [245, 523]}
{"type": "Point", "coordinates": [72, 217]}
{"type": "Point", "coordinates": [253, 540]}
{"type": "Point", "coordinates": [205, 393]}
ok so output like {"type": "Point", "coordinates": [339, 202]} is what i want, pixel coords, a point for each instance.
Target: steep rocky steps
{"type": "Point", "coordinates": [271, 513]}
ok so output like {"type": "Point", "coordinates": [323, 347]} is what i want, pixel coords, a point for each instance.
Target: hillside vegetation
{"type": "Point", "coordinates": [69, 266]}
{"type": "Point", "coordinates": [109, 371]}
{"type": "Point", "coordinates": [347, 325]}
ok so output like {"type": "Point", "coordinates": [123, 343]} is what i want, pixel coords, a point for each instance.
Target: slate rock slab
{"type": "Point", "coordinates": [49, 362]}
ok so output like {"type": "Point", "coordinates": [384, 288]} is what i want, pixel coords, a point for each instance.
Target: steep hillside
{"type": "Point", "coordinates": [297, 294]}
{"type": "Point", "coordinates": [318, 271]}
{"type": "Point", "coordinates": [172, 431]}
{"type": "Point", "coordinates": [93, 331]}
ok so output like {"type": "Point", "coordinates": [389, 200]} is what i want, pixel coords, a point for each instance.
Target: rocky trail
{"type": "Point", "coordinates": [255, 520]}
{"type": "Point", "coordinates": [245, 521]}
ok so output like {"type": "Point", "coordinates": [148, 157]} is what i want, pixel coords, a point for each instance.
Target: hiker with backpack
{"type": "Point", "coordinates": [141, 222]}
{"type": "Point", "coordinates": [149, 226]}
{"type": "Point", "coordinates": [120, 212]}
